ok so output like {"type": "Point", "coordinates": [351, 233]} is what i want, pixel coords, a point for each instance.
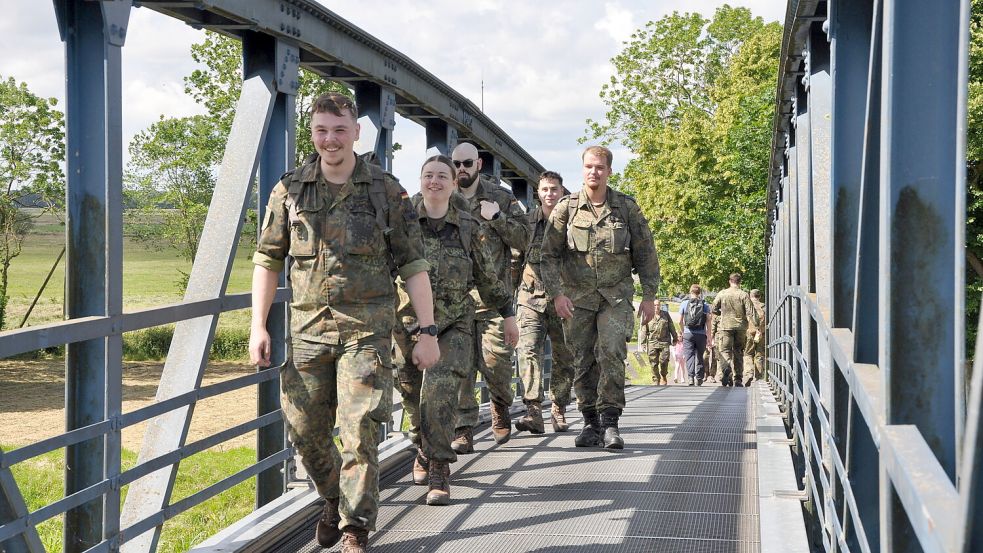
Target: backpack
{"type": "Point", "coordinates": [695, 317]}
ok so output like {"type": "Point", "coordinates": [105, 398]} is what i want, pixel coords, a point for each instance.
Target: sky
{"type": "Point", "coordinates": [542, 63]}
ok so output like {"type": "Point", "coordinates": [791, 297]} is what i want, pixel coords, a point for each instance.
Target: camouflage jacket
{"type": "Point", "coordinates": [456, 269]}
{"type": "Point", "coordinates": [532, 293]}
{"type": "Point", "coordinates": [734, 308]}
{"type": "Point", "coordinates": [759, 308]}
{"type": "Point", "coordinates": [342, 287]}
{"type": "Point", "coordinates": [657, 332]}
{"type": "Point", "coordinates": [507, 231]}
{"type": "Point", "coordinates": [590, 259]}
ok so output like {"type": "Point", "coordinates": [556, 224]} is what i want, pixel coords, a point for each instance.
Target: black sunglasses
{"type": "Point", "coordinates": [467, 163]}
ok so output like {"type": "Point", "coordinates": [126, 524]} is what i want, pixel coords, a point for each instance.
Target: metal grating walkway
{"type": "Point", "coordinates": [685, 482]}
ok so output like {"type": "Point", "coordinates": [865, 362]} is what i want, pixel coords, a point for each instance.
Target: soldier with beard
{"type": "Point", "coordinates": [503, 224]}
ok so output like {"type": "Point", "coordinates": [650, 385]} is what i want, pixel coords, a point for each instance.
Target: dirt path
{"type": "Point", "coordinates": [32, 401]}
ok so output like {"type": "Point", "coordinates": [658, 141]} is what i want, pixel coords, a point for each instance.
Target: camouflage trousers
{"type": "Point", "coordinates": [730, 350]}
{"type": "Point", "coordinates": [597, 340]}
{"type": "Point", "coordinates": [659, 359]}
{"type": "Point", "coordinates": [754, 358]}
{"type": "Point", "coordinates": [430, 397]}
{"type": "Point", "coordinates": [493, 359]}
{"type": "Point", "coordinates": [351, 385]}
{"type": "Point", "coordinates": [534, 327]}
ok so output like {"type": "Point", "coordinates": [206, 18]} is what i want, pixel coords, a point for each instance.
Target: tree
{"type": "Point", "coordinates": [32, 150]}
{"type": "Point", "coordinates": [693, 98]}
{"type": "Point", "coordinates": [171, 176]}
{"type": "Point", "coordinates": [218, 84]}
{"type": "Point", "coordinates": [974, 179]}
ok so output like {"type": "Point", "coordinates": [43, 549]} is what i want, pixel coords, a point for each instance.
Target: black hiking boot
{"type": "Point", "coordinates": [590, 436]}
{"type": "Point", "coordinates": [612, 438]}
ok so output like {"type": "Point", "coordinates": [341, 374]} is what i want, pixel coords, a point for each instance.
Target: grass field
{"type": "Point", "coordinates": [41, 481]}
{"type": "Point", "coordinates": [151, 277]}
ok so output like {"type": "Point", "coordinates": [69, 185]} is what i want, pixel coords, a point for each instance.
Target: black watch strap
{"type": "Point", "coordinates": [431, 330]}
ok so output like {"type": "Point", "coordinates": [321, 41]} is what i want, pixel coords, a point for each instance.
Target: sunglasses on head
{"type": "Point", "coordinates": [467, 163]}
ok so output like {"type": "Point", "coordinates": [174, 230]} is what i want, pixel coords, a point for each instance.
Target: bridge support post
{"type": "Point", "coordinates": [379, 105]}
{"type": "Point", "coordinates": [188, 354]}
{"type": "Point", "coordinates": [277, 157]}
{"type": "Point", "coordinates": [922, 206]}
{"type": "Point", "coordinates": [94, 33]}
{"type": "Point", "coordinates": [440, 135]}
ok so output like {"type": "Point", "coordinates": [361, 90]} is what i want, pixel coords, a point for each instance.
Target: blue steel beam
{"type": "Point", "coordinates": [188, 353]}
{"type": "Point", "coordinates": [93, 34]}
{"type": "Point", "coordinates": [276, 158]}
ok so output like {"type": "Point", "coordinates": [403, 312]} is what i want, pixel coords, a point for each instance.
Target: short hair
{"type": "Point", "coordinates": [756, 294]}
{"type": "Point", "coordinates": [600, 151]}
{"type": "Point", "coordinates": [695, 289]}
{"type": "Point", "coordinates": [551, 175]}
{"type": "Point", "coordinates": [440, 158]}
{"type": "Point", "coordinates": [334, 103]}
{"type": "Point", "coordinates": [735, 278]}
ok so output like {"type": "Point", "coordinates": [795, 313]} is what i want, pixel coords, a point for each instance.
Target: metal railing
{"type": "Point", "coordinates": [278, 37]}
{"type": "Point", "coordinates": [865, 274]}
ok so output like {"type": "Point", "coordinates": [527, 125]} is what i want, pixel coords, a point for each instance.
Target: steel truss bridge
{"type": "Point", "coordinates": [864, 437]}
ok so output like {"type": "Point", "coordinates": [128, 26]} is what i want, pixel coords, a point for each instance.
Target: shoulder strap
{"type": "Point", "coordinates": [377, 195]}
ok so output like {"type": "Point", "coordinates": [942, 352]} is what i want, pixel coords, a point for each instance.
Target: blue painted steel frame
{"type": "Point", "coordinates": [882, 462]}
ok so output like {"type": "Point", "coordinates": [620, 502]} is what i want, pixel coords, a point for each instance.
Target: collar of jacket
{"type": "Point", "coordinates": [453, 214]}
{"type": "Point", "coordinates": [613, 198]}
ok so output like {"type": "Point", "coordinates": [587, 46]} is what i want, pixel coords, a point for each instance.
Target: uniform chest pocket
{"type": "Point", "coordinates": [455, 270]}
{"type": "Point", "coordinates": [303, 229]}
{"type": "Point", "coordinates": [535, 254]}
{"type": "Point", "coordinates": [578, 235]}
{"type": "Point", "coordinates": [363, 235]}
{"type": "Point", "coordinates": [617, 236]}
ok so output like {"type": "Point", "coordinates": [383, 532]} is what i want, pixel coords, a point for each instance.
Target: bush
{"type": "Point", "coordinates": [230, 344]}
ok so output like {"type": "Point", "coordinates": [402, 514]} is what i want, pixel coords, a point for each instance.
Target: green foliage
{"type": "Point", "coordinates": [974, 177]}
{"type": "Point", "coordinates": [231, 343]}
{"type": "Point", "coordinates": [217, 86]}
{"type": "Point", "coordinates": [32, 150]}
{"type": "Point", "coordinates": [41, 481]}
{"type": "Point", "coordinates": [693, 98]}
{"type": "Point", "coordinates": [171, 176]}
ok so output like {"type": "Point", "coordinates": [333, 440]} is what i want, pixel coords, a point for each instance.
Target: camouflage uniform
{"type": "Point", "coordinates": [537, 320]}
{"type": "Point", "coordinates": [733, 307]}
{"type": "Point", "coordinates": [589, 258]}
{"type": "Point", "coordinates": [656, 338]}
{"type": "Point", "coordinates": [430, 397]}
{"type": "Point", "coordinates": [493, 358]}
{"type": "Point", "coordinates": [754, 351]}
{"type": "Point", "coordinates": [342, 312]}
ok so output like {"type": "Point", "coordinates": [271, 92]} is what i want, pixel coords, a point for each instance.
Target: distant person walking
{"type": "Point", "coordinates": [733, 306]}
{"type": "Point", "coordinates": [694, 321]}
{"type": "Point", "coordinates": [656, 339]}
{"type": "Point", "coordinates": [754, 351]}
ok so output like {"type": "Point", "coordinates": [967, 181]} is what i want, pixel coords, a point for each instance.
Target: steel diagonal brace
{"type": "Point", "coordinates": [13, 508]}
{"type": "Point", "coordinates": [188, 354]}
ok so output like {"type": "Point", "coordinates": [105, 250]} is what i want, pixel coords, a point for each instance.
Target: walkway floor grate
{"type": "Point", "coordinates": [685, 482]}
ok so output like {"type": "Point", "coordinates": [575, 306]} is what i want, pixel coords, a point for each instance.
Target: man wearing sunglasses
{"type": "Point", "coordinates": [504, 223]}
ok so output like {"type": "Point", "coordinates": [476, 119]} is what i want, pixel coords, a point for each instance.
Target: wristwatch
{"type": "Point", "coordinates": [431, 330]}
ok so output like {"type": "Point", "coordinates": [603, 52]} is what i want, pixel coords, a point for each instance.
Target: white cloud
{"type": "Point", "coordinates": [542, 63]}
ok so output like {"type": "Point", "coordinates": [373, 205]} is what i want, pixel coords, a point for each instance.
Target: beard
{"type": "Point", "coordinates": [464, 181]}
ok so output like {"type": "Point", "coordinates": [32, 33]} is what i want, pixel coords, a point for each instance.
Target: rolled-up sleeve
{"type": "Point", "coordinates": [405, 238]}
{"type": "Point", "coordinates": [274, 236]}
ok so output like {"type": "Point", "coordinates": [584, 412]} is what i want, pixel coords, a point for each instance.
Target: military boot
{"type": "Point", "coordinates": [463, 441]}
{"type": "Point", "coordinates": [590, 435]}
{"type": "Point", "coordinates": [612, 438]}
{"type": "Point", "coordinates": [559, 418]}
{"type": "Point", "coordinates": [327, 531]}
{"type": "Point", "coordinates": [354, 540]}
{"type": "Point", "coordinates": [440, 484]}
{"type": "Point", "coordinates": [533, 419]}
{"type": "Point", "coordinates": [420, 468]}
{"type": "Point", "coordinates": [501, 422]}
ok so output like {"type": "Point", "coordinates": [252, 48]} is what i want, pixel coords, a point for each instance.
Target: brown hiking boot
{"type": "Point", "coordinates": [463, 441]}
{"type": "Point", "coordinates": [501, 422]}
{"type": "Point", "coordinates": [558, 418]}
{"type": "Point", "coordinates": [440, 484]}
{"type": "Point", "coordinates": [327, 532]}
{"type": "Point", "coordinates": [354, 540]}
{"type": "Point", "coordinates": [420, 464]}
{"type": "Point", "coordinates": [664, 382]}
{"type": "Point", "coordinates": [532, 421]}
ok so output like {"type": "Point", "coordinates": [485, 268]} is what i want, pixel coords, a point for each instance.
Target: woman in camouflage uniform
{"type": "Point", "coordinates": [452, 246]}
